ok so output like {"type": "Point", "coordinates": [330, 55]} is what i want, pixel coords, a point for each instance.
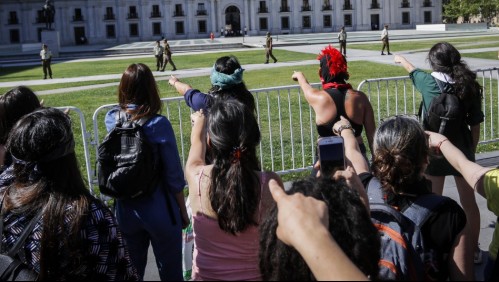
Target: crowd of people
{"type": "Point", "coordinates": [246, 225]}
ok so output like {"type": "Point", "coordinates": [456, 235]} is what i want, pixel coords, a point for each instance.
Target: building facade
{"type": "Point", "coordinates": [118, 21]}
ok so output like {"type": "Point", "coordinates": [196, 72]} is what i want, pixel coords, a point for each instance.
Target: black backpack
{"type": "Point", "coordinates": [445, 114]}
{"type": "Point", "coordinates": [127, 166]}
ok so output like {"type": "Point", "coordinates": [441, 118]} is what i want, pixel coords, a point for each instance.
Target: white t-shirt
{"type": "Point", "coordinates": [384, 33]}
{"type": "Point", "coordinates": [158, 50]}
{"type": "Point", "coordinates": [45, 54]}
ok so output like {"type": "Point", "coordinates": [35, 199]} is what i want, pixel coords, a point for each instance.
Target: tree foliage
{"type": "Point", "coordinates": [453, 9]}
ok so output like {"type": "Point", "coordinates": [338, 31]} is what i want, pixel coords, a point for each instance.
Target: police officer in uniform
{"type": "Point", "coordinates": [268, 48]}
{"type": "Point", "coordinates": [342, 38]}
{"type": "Point", "coordinates": [158, 53]}
{"type": "Point", "coordinates": [384, 39]}
{"type": "Point", "coordinates": [168, 56]}
{"type": "Point", "coordinates": [46, 56]}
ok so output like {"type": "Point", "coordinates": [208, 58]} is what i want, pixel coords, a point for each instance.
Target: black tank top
{"type": "Point", "coordinates": [338, 97]}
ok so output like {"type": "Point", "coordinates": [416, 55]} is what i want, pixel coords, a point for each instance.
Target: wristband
{"type": "Point", "coordinates": [345, 126]}
{"type": "Point", "coordinates": [440, 144]}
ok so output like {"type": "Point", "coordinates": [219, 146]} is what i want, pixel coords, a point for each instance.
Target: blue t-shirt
{"type": "Point", "coordinates": [197, 100]}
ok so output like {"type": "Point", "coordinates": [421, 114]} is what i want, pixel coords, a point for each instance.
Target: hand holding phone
{"type": "Point", "coordinates": [331, 151]}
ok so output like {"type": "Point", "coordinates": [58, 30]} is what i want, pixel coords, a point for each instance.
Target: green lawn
{"type": "Point", "coordinates": [425, 44]}
{"type": "Point", "coordinates": [89, 100]}
{"type": "Point", "coordinates": [117, 66]}
{"type": "Point", "coordinates": [491, 55]}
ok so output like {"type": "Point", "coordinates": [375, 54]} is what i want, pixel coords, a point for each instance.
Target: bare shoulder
{"type": "Point", "coordinates": [356, 94]}
{"type": "Point", "coordinates": [196, 175]}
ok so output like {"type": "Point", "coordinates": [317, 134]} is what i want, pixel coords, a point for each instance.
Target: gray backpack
{"type": "Point", "coordinates": [402, 244]}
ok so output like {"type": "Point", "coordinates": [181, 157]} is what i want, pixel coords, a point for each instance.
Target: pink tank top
{"type": "Point", "coordinates": [221, 256]}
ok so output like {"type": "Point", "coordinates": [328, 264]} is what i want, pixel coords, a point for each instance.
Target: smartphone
{"type": "Point", "coordinates": [331, 151]}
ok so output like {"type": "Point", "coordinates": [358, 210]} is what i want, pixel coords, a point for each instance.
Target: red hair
{"type": "Point", "coordinates": [336, 63]}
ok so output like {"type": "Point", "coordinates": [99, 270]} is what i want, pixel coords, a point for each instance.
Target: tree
{"type": "Point", "coordinates": [454, 9]}
{"type": "Point", "coordinates": [489, 9]}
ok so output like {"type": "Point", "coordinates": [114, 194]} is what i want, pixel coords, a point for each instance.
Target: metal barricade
{"type": "Point", "coordinates": [287, 122]}
{"type": "Point", "coordinates": [287, 126]}
{"type": "Point", "coordinates": [86, 139]}
{"type": "Point", "coordinates": [397, 95]}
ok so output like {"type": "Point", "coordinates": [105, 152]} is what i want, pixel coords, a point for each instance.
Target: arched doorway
{"type": "Point", "coordinates": [233, 21]}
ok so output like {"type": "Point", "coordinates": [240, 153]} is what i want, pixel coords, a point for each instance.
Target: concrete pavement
{"type": "Point", "coordinates": [312, 43]}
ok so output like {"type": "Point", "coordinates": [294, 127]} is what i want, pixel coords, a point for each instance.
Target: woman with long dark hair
{"type": "Point", "coordinates": [450, 71]}
{"type": "Point", "coordinates": [227, 83]}
{"type": "Point", "coordinates": [230, 197]}
{"type": "Point", "coordinates": [77, 237]}
{"type": "Point", "coordinates": [156, 218]}
{"type": "Point", "coordinates": [14, 104]}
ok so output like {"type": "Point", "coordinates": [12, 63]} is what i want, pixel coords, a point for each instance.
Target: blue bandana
{"type": "Point", "coordinates": [223, 80]}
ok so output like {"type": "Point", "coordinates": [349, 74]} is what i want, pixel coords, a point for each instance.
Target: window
{"type": "Point", "coordinates": [201, 10]}
{"type": "Point", "coordinates": [405, 4]}
{"type": "Point", "coordinates": [202, 27]}
{"type": "Point", "coordinates": [156, 28]}
{"type": "Point", "coordinates": [306, 6]}
{"type": "Point", "coordinates": [132, 12]}
{"type": "Point", "coordinates": [155, 13]}
{"type": "Point", "coordinates": [179, 27]}
{"type": "Point", "coordinates": [326, 20]}
{"type": "Point", "coordinates": [178, 12]}
{"type": "Point", "coordinates": [374, 4]}
{"type": "Point", "coordinates": [263, 24]}
{"type": "Point", "coordinates": [427, 17]}
{"type": "Point", "coordinates": [262, 8]}
{"type": "Point", "coordinates": [284, 6]}
{"type": "Point", "coordinates": [14, 36]}
{"type": "Point", "coordinates": [406, 18]}
{"type": "Point", "coordinates": [39, 33]}
{"type": "Point", "coordinates": [78, 17]}
{"type": "Point", "coordinates": [110, 31]}
{"type": "Point", "coordinates": [40, 17]}
{"type": "Point", "coordinates": [134, 30]}
{"type": "Point", "coordinates": [347, 20]}
{"type": "Point", "coordinates": [109, 14]}
{"type": "Point", "coordinates": [427, 3]}
{"type": "Point", "coordinates": [285, 23]}
{"type": "Point", "coordinates": [13, 18]}
{"type": "Point", "coordinates": [347, 5]}
{"type": "Point", "coordinates": [306, 22]}
{"type": "Point", "coordinates": [326, 6]}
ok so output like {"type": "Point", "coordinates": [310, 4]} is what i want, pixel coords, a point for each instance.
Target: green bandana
{"type": "Point", "coordinates": [223, 80]}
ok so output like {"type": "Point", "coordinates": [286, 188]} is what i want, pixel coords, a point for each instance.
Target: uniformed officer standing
{"type": "Point", "coordinates": [384, 38]}
{"type": "Point", "coordinates": [158, 53]}
{"type": "Point", "coordinates": [168, 56]}
{"type": "Point", "coordinates": [46, 56]}
{"type": "Point", "coordinates": [268, 49]}
{"type": "Point", "coordinates": [342, 38]}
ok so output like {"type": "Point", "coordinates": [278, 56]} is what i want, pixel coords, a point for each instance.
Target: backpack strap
{"type": "Point", "coordinates": [20, 241]}
{"type": "Point", "coordinates": [440, 85]}
{"type": "Point", "coordinates": [422, 105]}
{"type": "Point", "coordinates": [419, 211]}
{"type": "Point", "coordinates": [424, 206]}
{"type": "Point", "coordinates": [375, 191]}
{"type": "Point", "coordinates": [122, 116]}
